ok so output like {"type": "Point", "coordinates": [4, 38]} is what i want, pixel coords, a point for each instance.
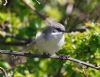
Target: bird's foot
{"type": "Point", "coordinates": [46, 54]}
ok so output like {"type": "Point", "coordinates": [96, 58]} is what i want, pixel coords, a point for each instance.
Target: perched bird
{"type": "Point", "coordinates": [50, 40]}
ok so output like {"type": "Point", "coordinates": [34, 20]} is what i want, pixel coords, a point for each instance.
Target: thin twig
{"type": "Point", "coordinates": [4, 72]}
{"type": "Point", "coordinates": [61, 57]}
{"type": "Point", "coordinates": [21, 41]}
{"type": "Point", "coordinates": [5, 3]}
{"type": "Point", "coordinates": [30, 5]}
{"type": "Point", "coordinates": [37, 1]}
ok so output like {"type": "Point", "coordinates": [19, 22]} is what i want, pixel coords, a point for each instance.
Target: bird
{"type": "Point", "coordinates": [46, 42]}
{"type": "Point", "coordinates": [50, 40]}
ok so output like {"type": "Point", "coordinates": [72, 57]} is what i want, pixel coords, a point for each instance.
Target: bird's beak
{"type": "Point", "coordinates": [64, 31]}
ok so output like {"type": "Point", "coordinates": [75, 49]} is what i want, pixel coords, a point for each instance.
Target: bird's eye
{"type": "Point", "coordinates": [58, 29]}
{"type": "Point", "coordinates": [55, 31]}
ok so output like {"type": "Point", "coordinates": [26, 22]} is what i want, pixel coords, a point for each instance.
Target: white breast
{"type": "Point", "coordinates": [50, 46]}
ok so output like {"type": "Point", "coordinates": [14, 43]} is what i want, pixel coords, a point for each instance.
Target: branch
{"type": "Point", "coordinates": [19, 41]}
{"type": "Point", "coordinates": [49, 21]}
{"type": "Point", "coordinates": [30, 5]}
{"type": "Point", "coordinates": [5, 3]}
{"type": "Point", "coordinates": [15, 43]}
{"type": "Point", "coordinates": [61, 57]}
{"type": "Point", "coordinates": [4, 72]}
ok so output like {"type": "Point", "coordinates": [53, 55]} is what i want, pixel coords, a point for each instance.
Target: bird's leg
{"type": "Point", "coordinates": [46, 54]}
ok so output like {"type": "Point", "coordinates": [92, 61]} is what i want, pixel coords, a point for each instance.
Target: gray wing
{"type": "Point", "coordinates": [29, 47]}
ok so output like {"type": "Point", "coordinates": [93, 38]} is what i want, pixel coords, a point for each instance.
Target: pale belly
{"type": "Point", "coordinates": [49, 46]}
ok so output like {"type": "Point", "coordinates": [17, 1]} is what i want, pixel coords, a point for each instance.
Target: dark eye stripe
{"type": "Point", "coordinates": [58, 29]}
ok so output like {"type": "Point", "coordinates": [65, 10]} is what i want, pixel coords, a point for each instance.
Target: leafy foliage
{"type": "Point", "coordinates": [83, 46]}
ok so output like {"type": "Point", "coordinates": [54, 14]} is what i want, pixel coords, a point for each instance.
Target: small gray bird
{"type": "Point", "coordinates": [50, 40]}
